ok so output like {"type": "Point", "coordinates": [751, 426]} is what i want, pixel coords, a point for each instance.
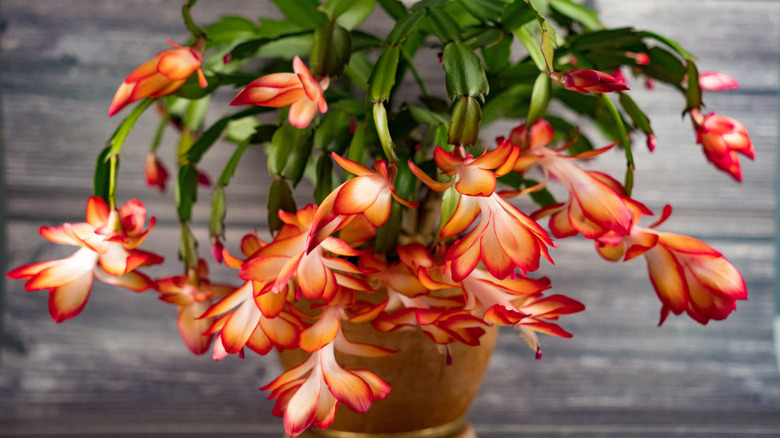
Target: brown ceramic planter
{"type": "Point", "coordinates": [428, 397]}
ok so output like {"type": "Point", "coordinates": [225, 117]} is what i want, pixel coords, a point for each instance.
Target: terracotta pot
{"type": "Point", "coordinates": [428, 397]}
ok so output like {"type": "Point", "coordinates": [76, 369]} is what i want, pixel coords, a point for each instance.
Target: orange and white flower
{"type": "Point", "coordinates": [473, 176]}
{"type": "Point", "coordinates": [369, 194]}
{"type": "Point", "coordinates": [505, 238]}
{"type": "Point", "coordinates": [108, 242]}
{"type": "Point", "coordinates": [308, 394]}
{"type": "Point", "coordinates": [300, 90]}
{"type": "Point", "coordinates": [193, 294]}
{"type": "Point", "coordinates": [687, 274]}
{"type": "Point", "coordinates": [514, 301]}
{"type": "Point", "coordinates": [596, 204]}
{"type": "Point", "coordinates": [410, 304]}
{"type": "Point", "coordinates": [160, 76]}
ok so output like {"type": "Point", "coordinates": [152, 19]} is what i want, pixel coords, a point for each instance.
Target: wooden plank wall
{"type": "Point", "coordinates": [119, 369]}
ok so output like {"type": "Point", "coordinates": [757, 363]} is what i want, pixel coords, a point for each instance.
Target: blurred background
{"type": "Point", "coordinates": [120, 369]}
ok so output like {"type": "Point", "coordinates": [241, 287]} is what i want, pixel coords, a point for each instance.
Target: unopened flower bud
{"type": "Point", "coordinates": [465, 119]}
{"type": "Point", "coordinates": [331, 50]}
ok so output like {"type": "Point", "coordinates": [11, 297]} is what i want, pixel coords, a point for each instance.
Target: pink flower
{"type": "Point", "coordinates": [716, 81]}
{"type": "Point", "coordinates": [723, 138]}
{"type": "Point", "coordinates": [299, 90]}
{"type": "Point", "coordinates": [588, 81]}
{"type": "Point", "coordinates": [108, 242]}
{"type": "Point", "coordinates": [161, 75]}
{"type": "Point", "coordinates": [155, 172]}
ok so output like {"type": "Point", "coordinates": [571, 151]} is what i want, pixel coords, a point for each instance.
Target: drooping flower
{"type": "Point", "coordinates": [300, 90]}
{"type": "Point", "coordinates": [193, 294]}
{"type": "Point", "coordinates": [717, 81]}
{"type": "Point", "coordinates": [596, 203]}
{"type": "Point", "coordinates": [250, 316]}
{"type": "Point", "coordinates": [317, 271]}
{"type": "Point", "coordinates": [410, 304]}
{"type": "Point", "coordinates": [108, 242]}
{"type": "Point", "coordinates": [515, 301]}
{"type": "Point", "coordinates": [160, 76]}
{"type": "Point", "coordinates": [504, 239]}
{"type": "Point", "coordinates": [588, 81]}
{"type": "Point", "coordinates": [155, 172]}
{"type": "Point", "coordinates": [687, 274]}
{"type": "Point", "coordinates": [722, 139]}
{"type": "Point", "coordinates": [309, 394]}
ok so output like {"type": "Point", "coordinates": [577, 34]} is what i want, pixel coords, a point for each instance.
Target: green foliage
{"type": "Point", "coordinates": [404, 27]}
{"type": "Point", "coordinates": [382, 79]}
{"type": "Point", "coordinates": [280, 198]}
{"type": "Point", "coordinates": [348, 13]}
{"type": "Point", "coordinates": [443, 26]}
{"type": "Point", "coordinates": [485, 10]}
{"type": "Point", "coordinates": [331, 49]}
{"type": "Point", "coordinates": [374, 114]}
{"type": "Point", "coordinates": [186, 192]}
{"type": "Point", "coordinates": [577, 12]}
{"type": "Point", "coordinates": [304, 13]}
{"type": "Point", "coordinates": [465, 75]}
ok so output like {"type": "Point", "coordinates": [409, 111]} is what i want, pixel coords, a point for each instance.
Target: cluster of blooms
{"type": "Point", "coordinates": [317, 271]}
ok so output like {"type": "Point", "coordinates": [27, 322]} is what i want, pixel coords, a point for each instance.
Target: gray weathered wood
{"type": "Point", "coordinates": [119, 369]}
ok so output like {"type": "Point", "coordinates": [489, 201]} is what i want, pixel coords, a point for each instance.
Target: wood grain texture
{"type": "Point", "coordinates": [119, 369]}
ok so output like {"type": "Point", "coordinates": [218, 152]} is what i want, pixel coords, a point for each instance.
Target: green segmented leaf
{"type": "Point", "coordinates": [330, 50]}
{"type": "Point", "coordinates": [665, 66]}
{"type": "Point", "coordinates": [324, 178]}
{"type": "Point", "coordinates": [101, 181]}
{"type": "Point", "coordinates": [638, 117]}
{"type": "Point", "coordinates": [333, 132]}
{"type": "Point", "coordinates": [605, 39]}
{"type": "Point", "coordinates": [300, 143]}
{"type": "Point", "coordinates": [465, 75]}
{"type": "Point", "coordinates": [485, 10]}
{"type": "Point", "coordinates": [280, 197]}
{"type": "Point", "coordinates": [218, 212]}
{"type": "Point", "coordinates": [394, 8]}
{"type": "Point", "coordinates": [496, 56]}
{"type": "Point", "coordinates": [532, 47]}
{"type": "Point", "coordinates": [443, 26]}
{"type": "Point", "coordinates": [577, 12]}
{"type": "Point", "coordinates": [517, 15]}
{"type": "Point", "coordinates": [304, 13]}
{"type": "Point", "coordinates": [693, 89]}
{"type": "Point", "coordinates": [349, 13]}
{"type": "Point", "coordinates": [382, 79]}
{"type": "Point", "coordinates": [404, 27]}
{"type": "Point", "coordinates": [669, 42]}
{"type": "Point", "coordinates": [186, 193]}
